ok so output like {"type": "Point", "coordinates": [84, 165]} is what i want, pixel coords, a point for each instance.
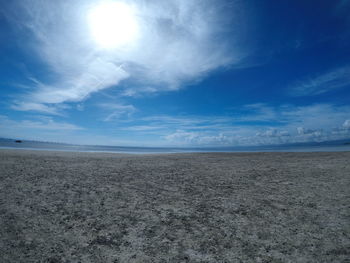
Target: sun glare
{"type": "Point", "coordinates": [113, 24]}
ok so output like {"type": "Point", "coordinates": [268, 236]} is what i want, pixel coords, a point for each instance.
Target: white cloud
{"type": "Point", "coordinates": [118, 110]}
{"type": "Point", "coordinates": [343, 130]}
{"type": "Point", "coordinates": [180, 41]}
{"type": "Point", "coordinates": [306, 135]}
{"type": "Point", "coordinates": [273, 133]}
{"type": "Point", "coordinates": [144, 128]}
{"type": "Point", "coordinates": [95, 76]}
{"type": "Point", "coordinates": [257, 112]}
{"type": "Point", "coordinates": [313, 123]}
{"type": "Point", "coordinates": [304, 131]}
{"type": "Point", "coordinates": [46, 124]}
{"type": "Point", "coordinates": [346, 124]}
{"type": "Point", "coordinates": [292, 124]}
{"type": "Point", "coordinates": [184, 137]}
{"type": "Point", "coordinates": [43, 128]}
{"type": "Point", "coordinates": [329, 81]}
{"type": "Point", "coordinates": [80, 107]}
{"type": "Point", "coordinates": [315, 116]}
{"type": "Point", "coordinates": [33, 106]}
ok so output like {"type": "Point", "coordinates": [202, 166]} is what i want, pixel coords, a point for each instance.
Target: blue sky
{"type": "Point", "coordinates": [175, 73]}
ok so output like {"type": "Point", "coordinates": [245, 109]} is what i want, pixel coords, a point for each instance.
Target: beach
{"type": "Point", "coordinates": [186, 207]}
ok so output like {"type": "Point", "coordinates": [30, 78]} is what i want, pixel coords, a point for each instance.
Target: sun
{"type": "Point", "coordinates": [113, 24]}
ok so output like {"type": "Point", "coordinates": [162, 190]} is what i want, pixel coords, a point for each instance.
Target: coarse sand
{"type": "Point", "coordinates": [65, 207]}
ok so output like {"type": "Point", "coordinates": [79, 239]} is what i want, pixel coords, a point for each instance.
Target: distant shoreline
{"type": "Point", "coordinates": [327, 146]}
{"type": "Point", "coordinates": [346, 148]}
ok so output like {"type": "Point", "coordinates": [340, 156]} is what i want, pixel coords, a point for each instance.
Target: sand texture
{"type": "Point", "coordinates": [211, 207]}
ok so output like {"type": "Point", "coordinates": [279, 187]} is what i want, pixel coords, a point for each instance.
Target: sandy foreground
{"type": "Point", "coordinates": [209, 207]}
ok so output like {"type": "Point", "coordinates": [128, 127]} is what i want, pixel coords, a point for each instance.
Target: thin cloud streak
{"type": "Point", "coordinates": [332, 80]}
{"type": "Point", "coordinates": [291, 124]}
{"type": "Point", "coordinates": [118, 111]}
{"type": "Point", "coordinates": [33, 106]}
{"type": "Point", "coordinates": [314, 123]}
{"type": "Point", "coordinates": [43, 124]}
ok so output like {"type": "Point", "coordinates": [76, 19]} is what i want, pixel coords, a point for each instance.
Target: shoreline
{"type": "Point", "coordinates": [345, 148]}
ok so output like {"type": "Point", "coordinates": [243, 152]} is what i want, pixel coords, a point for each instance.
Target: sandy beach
{"type": "Point", "coordinates": [61, 207]}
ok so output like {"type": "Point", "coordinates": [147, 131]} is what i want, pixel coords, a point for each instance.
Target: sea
{"type": "Point", "coordinates": [329, 146]}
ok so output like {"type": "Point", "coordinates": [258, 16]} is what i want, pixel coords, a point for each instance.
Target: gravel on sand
{"type": "Point", "coordinates": [61, 207]}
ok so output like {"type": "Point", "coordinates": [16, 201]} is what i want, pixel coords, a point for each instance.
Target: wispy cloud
{"type": "Point", "coordinates": [117, 110]}
{"type": "Point", "coordinates": [273, 133]}
{"type": "Point", "coordinates": [326, 82]}
{"type": "Point", "coordinates": [318, 122]}
{"type": "Point", "coordinates": [33, 106]}
{"type": "Point", "coordinates": [180, 41]}
{"type": "Point", "coordinates": [343, 130]}
{"type": "Point", "coordinates": [258, 112]}
{"type": "Point", "coordinates": [145, 128]}
{"type": "Point", "coordinates": [45, 124]}
{"type": "Point", "coordinates": [286, 124]}
{"type": "Point", "coordinates": [346, 124]}
{"type": "Point", "coordinates": [43, 128]}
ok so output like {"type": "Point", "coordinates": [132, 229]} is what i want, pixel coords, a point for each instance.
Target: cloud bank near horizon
{"type": "Point", "coordinates": [260, 125]}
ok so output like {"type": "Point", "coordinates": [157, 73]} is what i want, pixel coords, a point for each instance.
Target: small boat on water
{"type": "Point", "coordinates": [18, 141]}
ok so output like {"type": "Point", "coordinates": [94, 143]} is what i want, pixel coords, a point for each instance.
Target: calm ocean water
{"type": "Point", "coordinates": [309, 147]}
